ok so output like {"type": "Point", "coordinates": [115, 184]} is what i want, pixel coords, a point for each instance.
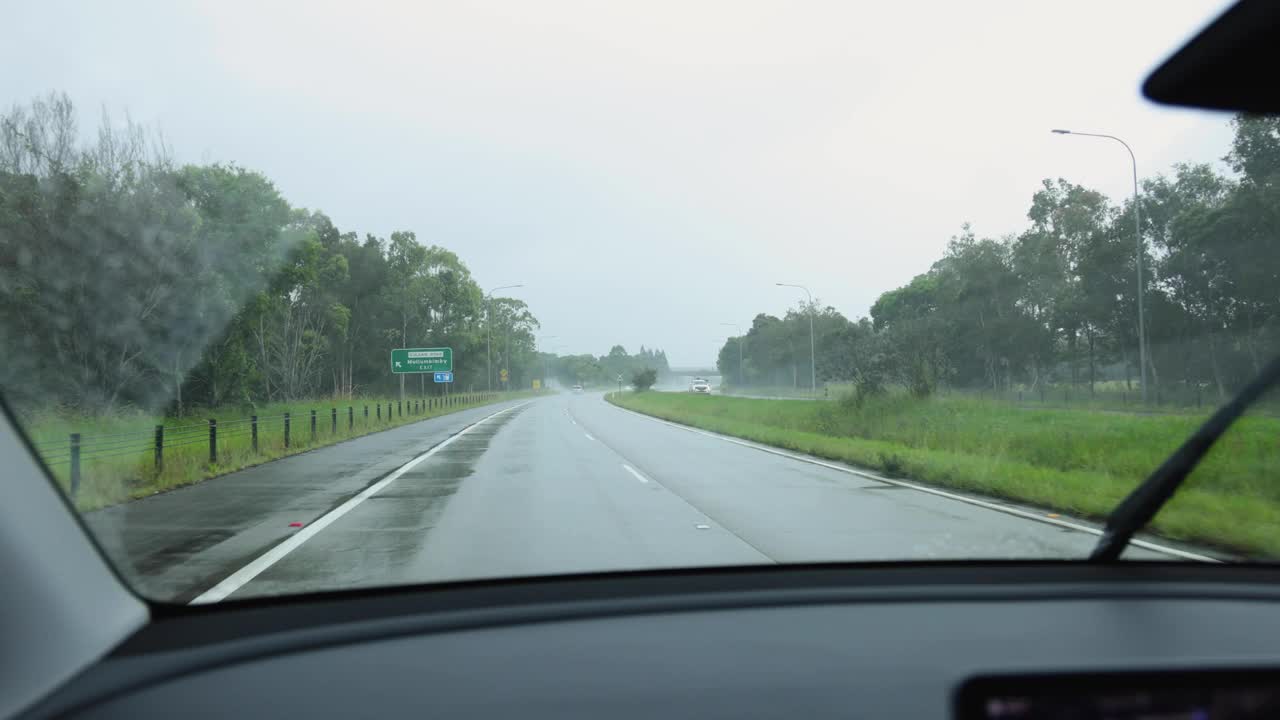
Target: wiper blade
{"type": "Point", "coordinates": [1137, 509]}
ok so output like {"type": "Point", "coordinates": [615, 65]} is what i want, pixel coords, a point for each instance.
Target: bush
{"type": "Point", "coordinates": [644, 379]}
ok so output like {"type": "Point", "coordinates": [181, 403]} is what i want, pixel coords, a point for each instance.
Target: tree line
{"type": "Point", "coordinates": [589, 370]}
{"type": "Point", "coordinates": [1057, 302]}
{"type": "Point", "coordinates": [130, 280]}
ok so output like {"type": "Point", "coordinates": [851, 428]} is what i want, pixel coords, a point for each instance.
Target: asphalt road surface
{"type": "Point", "coordinates": [560, 484]}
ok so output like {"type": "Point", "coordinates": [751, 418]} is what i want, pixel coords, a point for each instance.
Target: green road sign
{"type": "Point", "coordinates": [421, 360]}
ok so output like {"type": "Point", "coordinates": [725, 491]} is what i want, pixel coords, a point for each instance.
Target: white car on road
{"type": "Point", "coordinates": [700, 386]}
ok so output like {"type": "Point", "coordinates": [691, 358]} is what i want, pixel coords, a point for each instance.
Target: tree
{"type": "Point", "coordinates": [643, 379]}
{"type": "Point", "coordinates": [171, 288]}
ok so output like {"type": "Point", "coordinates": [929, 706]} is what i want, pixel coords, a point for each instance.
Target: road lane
{"type": "Point", "coordinates": [527, 493]}
{"type": "Point", "coordinates": [178, 543]}
{"type": "Point", "coordinates": [561, 484]}
{"type": "Point", "coordinates": [800, 512]}
{"type": "Point", "coordinates": [572, 484]}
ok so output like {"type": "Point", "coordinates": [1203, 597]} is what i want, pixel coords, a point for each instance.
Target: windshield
{"type": "Point", "coordinates": [305, 297]}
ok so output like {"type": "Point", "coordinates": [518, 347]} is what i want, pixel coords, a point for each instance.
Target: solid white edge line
{"type": "Point", "coordinates": [635, 472]}
{"type": "Point", "coordinates": [932, 491]}
{"type": "Point", "coordinates": [244, 575]}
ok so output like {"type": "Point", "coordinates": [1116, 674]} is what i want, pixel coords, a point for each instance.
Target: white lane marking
{"type": "Point", "coordinates": [241, 577]}
{"type": "Point", "coordinates": [588, 436]}
{"type": "Point", "coordinates": [635, 472]}
{"type": "Point", "coordinates": [575, 422]}
{"type": "Point", "coordinates": [932, 491]}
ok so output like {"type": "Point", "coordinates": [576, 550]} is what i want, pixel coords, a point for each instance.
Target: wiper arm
{"type": "Point", "coordinates": [1137, 509]}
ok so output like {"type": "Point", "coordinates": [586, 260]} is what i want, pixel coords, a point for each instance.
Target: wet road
{"type": "Point", "coordinates": [560, 484]}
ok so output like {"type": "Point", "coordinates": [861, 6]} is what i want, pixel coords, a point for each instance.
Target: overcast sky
{"type": "Point", "coordinates": [647, 169]}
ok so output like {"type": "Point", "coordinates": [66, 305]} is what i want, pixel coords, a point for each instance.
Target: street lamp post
{"type": "Point", "coordinates": [813, 361]}
{"type": "Point", "coordinates": [488, 333]}
{"type": "Point", "coordinates": [741, 337]}
{"type": "Point", "coordinates": [1137, 226]}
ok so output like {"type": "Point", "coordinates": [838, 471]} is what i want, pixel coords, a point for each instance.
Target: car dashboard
{"type": "Point", "coordinates": [826, 642]}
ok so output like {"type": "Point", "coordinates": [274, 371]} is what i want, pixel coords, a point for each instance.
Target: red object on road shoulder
{"type": "Point", "coordinates": [295, 524]}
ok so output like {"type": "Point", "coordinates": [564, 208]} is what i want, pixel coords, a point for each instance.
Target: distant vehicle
{"type": "Point", "coordinates": [700, 386]}
{"type": "Point", "coordinates": [577, 388]}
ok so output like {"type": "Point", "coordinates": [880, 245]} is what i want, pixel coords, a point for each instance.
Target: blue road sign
{"type": "Point", "coordinates": [444, 377]}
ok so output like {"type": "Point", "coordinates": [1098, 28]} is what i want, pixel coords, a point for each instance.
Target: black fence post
{"type": "Point", "coordinates": [399, 408]}
{"type": "Point", "coordinates": [313, 426]}
{"type": "Point", "coordinates": [213, 441]}
{"type": "Point", "coordinates": [286, 431]}
{"type": "Point", "coordinates": [253, 432]}
{"type": "Point", "coordinates": [351, 418]}
{"type": "Point", "coordinates": [366, 416]}
{"type": "Point", "coordinates": [379, 410]}
{"type": "Point", "coordinates": [75, 464]}
{"type": "Point", "coordinates": [333, 415]}
{"type": "Point", "coordinates": [159, 449]}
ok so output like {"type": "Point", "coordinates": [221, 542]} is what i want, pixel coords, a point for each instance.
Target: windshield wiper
{"type": "Point", "coordinates": [1137, 509]}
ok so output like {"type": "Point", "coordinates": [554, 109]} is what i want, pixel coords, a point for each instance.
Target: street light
{"type": "Point", "coordinates": [741, 337]}
{"type": "Point", "coordinates": [1137, 226]}
{"type": "Point", "coordinates": [488, 332]}
{"type": "Point", "coordinates": [813, 362]}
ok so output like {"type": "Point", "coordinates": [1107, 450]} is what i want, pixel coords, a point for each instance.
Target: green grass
{"type": "Point", "coordinates": [1072, 461]}
{"type": "Point", "coordinates": [117, 456]}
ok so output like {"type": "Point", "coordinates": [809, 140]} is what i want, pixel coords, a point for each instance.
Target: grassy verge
{"type": "Point", "coordinates": [1071, 461]}
{"type": "Point", "coordinates": [118, 452]}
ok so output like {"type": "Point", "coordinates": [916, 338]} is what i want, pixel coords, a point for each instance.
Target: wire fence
{"type": "Point", "coordinates": [285, 430]}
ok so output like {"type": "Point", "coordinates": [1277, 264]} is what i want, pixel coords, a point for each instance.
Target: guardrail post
{"type": "Point", "coordinates": [399, 408]}
{"type": "Point", "coordinates": [313, 426]}
{"type": "Point", "coordinates": [253, 432]}
{"type": "Point", "coordinates": [366, 416]}
{"type": "Point", "coordinates": [213, 441]}
{"type": "Point", "coordinates": [286, 431]}
{"type": "Point", "coordinates": [379, 409]}
{"type": "Point", "coordinates": [159, 449]}
{"type": "Point", "coordinates": [75, 464]}
{"type": "Point", "coordinates": [333, 415]}
{"type": "Point", "coordinates": [351, 418]}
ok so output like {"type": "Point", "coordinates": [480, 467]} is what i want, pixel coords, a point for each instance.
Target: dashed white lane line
{"type": "Point", "coordinates": [932, 491]}
{"type": "Point", "coordinates": [635, 472]}
{"type": "Point", "coordinates": [588, 436]}
{"type": "Point", "coordinates": [241, 577]}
